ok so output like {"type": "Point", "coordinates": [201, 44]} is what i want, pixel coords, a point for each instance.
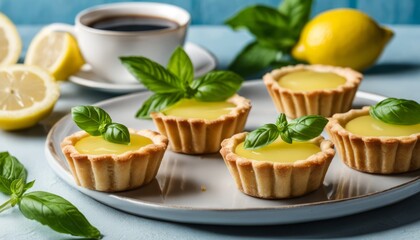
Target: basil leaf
{"type": "Point", "coordinates": [155, 77]}
{"type": "Point", "coordinates": [261, 136]}
{"type": "Point", "coordinates": [281, 43]}
{"type": "Point", "coordinates": [253, 59]}
{"type": "Point", "coordinates": [307, 127]}
{"type": "Point", "coordinates": [116, 133]}
{"type": "Point", "coordinates": [281, 121]}
{"type": "Point", "coordinates": [5, 185]}
{"type": "Point", "coordinates": [396, 111]}
{"type": "Point", "coordinates": [17, 187]}
{"type": "Point", "coordinates": [10, 169]}
{"type": "Point", "coordinates": [180, 64]}
{"type": "Point", "coordinates": [297, 13]}
{"type": "Point", "coordinates": [28, 185]}
{"type": "Point", "coordinates": [268, 25]}
{"type": "Point", "coordinates": [216, 86]}
{"type": "Point", "coordinates": [158, 102]}
{"type": "Point", "coordinates": [286, 136]}
{"type": "Point", "coordinates": [90, 118]}
{"type": "Point", "coordinates": [57, 213]}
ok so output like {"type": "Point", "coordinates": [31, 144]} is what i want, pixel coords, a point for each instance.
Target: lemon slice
{"type": "Point", "coordinates": [27, 95]}
{"type": "Point", "coordinates": [58, 52]}
{"type": "Point", "coordinates": [10, 42]}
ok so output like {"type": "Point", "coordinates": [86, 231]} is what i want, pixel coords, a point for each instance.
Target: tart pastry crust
{"type": "Point", "coordinates": [319, 102]}
{"type": "Point", "coordinates": [199, 136]}
{"type": "Point", "coordinates": [111, 172]}
{"type": "Point", "coordinates": [274, 180]}
{"type": "Point", "coordinates": [383, 155]}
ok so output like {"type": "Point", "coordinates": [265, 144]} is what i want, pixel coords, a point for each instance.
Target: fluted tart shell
{"type": "Point", "coordinates": [381, 155]}
{"type": "Point", "coordinates": [111, 172]}
{"type": "Point", "coordinates": [200, 136]}
{"type": "Point", "coordinates": [319, 102]}
{"type": "Point", "coordinates": [276, 180]}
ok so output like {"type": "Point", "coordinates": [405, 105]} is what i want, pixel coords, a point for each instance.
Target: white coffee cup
{"type": "Point", "coordinates": [102, 48]}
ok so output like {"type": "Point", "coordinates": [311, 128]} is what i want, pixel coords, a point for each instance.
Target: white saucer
{"type": "Point", "coordinates": [203, 62]}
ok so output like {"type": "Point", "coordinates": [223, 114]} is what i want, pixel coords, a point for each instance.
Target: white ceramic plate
{"type": "Point", "coordinates": [178, 194]}
{"type": "Point", "coordinates": [203, 62]}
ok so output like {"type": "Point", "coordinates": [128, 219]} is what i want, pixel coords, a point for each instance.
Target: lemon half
{"type": "Point", "coordinates": [58, 52]}
{"type": "Point", "coordinates": [10, 42]}
{"type": "Point", "coordinates": [27, 95]}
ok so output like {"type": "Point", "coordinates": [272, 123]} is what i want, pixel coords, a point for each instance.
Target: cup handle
{"type": "Point", "coordinates": [60, 27]}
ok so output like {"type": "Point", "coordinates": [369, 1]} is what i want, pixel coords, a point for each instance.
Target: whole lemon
{"type": "Point", "coordinates": [342, 37]}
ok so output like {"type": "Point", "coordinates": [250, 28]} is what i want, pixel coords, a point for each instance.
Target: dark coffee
{"type": "Point", "coordinates": [133, 23]}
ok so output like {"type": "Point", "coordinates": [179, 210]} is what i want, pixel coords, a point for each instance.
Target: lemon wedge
{"type": "Point", "coordinates": [10, 42]}
{"type": "Point", "coordinates": [58, 52]}
{"type": "Point", "coordinates": [27, 95]}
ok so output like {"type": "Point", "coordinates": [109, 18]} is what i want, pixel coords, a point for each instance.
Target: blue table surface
{"type": "Point", "coordinates": [396, 74]}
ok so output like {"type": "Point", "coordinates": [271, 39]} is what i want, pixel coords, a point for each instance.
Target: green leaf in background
{"type": "Point", "coordinates": [396, 111]}
{"type": "Point", "coordinates": [158, 102]}
{"type": "Point", "coordinates": [262, 136]}
{"type": "Point", "coordinates": [253, 58]}
{"type": "Point", "coordinates": [57, 213]}
{"type": "Point", "coordinates": [216, 86]}
{"type": "Point", "coordinates": [180, 64]}
{"type": "Point", "coordinates": [117, 133]}
{"type": "Point", "coordinates": [10, 169]}
{"type": "Point", "coordinates": [307, 127]}
{"type": "Point", "coordinates": [276, 29]}
{"type": "Point", "coordinates": [267, 24]}
{"type": "Point", "coordinates": [154, 76]}
{"type": "Point", "coordinates": [297, 13]}
{"type": "Point", "coordinates": [90, 118]}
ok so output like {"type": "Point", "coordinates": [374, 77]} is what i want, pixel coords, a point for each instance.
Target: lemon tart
{"type": "Point", "coordinates": [195, 127]}
{"type": "Point", "coordinates": [105, 166]}
{"type": "Point", "coordinates": [369, 145]}
{"type": "Point", "coordinates": [312, 89]}
{"type": "Point", "coordinates": [278, 170]}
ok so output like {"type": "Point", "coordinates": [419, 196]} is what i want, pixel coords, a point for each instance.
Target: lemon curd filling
{"type": "Point", "coordinates": [369, 126]}
{"type": "Point", "coordinates": [311, 80]}
{"type": "Point", "coordinates": [191, 108]}
{"type": "Point", "coordinates": [279, 151]}
{"type": "Point", "coordinates": [96, 145]}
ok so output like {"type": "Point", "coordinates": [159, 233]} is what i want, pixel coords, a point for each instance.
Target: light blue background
{"type": "Point", "coordinates": [206, 11]}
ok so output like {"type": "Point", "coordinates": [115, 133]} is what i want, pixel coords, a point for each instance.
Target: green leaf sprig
{"type": "Point", "coordinates": [47, 208]}
{"type": "Point", "coordinates": [299, 129]}
{"type": "Point", "coordinates": [276, 31]}
{"type": "Point", "coordinates": [176, 82]}
{"type": "Point", "coordinates": [396, 111]}
{"type": "Point", "coordinates": [97, 122]}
